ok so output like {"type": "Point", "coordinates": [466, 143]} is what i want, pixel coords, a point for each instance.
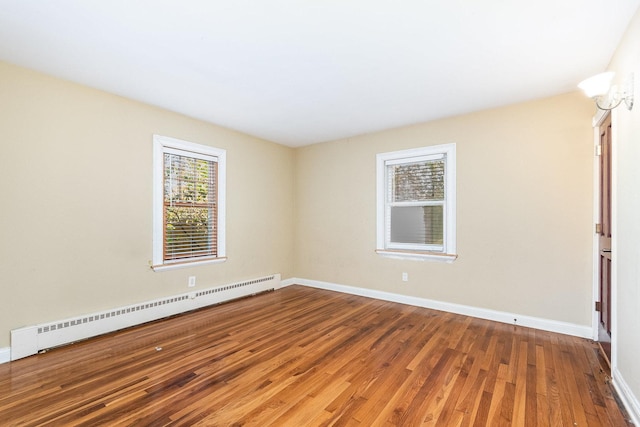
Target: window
{"type": "Point", "coordinates": [416, 203]}
{"type": "Point", "coordinates": [189, 203]}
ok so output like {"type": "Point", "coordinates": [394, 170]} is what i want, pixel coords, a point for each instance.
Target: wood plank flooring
{"type": "Point", "coordinates": [305, 357]}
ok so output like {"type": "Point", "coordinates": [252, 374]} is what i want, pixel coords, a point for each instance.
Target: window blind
{"type": "Point", "coordinates": [415, 203]}
{"type": "Point", "coordinates": [190, 203]}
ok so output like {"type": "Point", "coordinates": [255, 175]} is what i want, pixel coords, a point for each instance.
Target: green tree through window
{"type": "Point", "coordinates": [189, 207]}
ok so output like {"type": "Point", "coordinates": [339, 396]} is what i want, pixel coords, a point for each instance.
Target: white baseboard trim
{"type": "Point", "coordinates": [482, 313]}
{"type": "Point", "coordinates": [5, 354]}
{"type": "Point", "coordinates": [289, 282]}
{"type": "Point", "coordinates": [629, 400]}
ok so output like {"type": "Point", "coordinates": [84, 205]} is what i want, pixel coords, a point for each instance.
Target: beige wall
{"type": "Point", "coordinates": [76, 168]}
{"type": "Point", "coordinates": [524, 206]}
{"type": "Point", "coordinates": [626, 238]}
{"type": "Point", "coordinates": [76, 201]}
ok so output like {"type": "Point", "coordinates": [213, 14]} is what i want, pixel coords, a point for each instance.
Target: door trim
{"type": "Point", "coordinates": [598, 119]}
{"type": "Point", "coordinates": [595, 320]}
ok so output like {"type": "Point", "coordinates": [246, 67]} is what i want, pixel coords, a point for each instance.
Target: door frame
{"type": "Point", "coordinates": [597, 120]}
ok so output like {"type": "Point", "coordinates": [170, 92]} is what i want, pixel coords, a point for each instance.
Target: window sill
{"type": "Point", "coordinates": [418, 256]}
{"type": "Point", "coordinates": [175, 265]}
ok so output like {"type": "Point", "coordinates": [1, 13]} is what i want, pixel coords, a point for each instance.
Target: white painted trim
{"type": "Point", "coordinates": [162, 143]}
{"type": "Point", "coordinates": [614, 240]}
{"type": "Point", "coordinates": [481, 313]}
{"type": "Point", "coordinates": [382, 159]}
{"type": "Point", "coordinates": [597, 120]}
{"type": "Point", "coordinates": [288, 282]}
{"type": "Point", "coordinates": [5, 354]}
{"type": "Point", "coordinates": [599, 117]}
{"type": "Point", "coordinates": [627, 397]}
{"type": "Point", "coordinates": [595, 320]}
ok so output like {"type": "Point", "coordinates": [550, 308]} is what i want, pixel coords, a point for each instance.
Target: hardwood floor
{"type": "Point", "coordinates": [307, 357]}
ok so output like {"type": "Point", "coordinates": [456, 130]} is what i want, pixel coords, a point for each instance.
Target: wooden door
{"type": "Point", "coordinates": [604, 228]}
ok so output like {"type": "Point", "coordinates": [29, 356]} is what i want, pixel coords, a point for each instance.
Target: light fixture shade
{"type": "Point", "coordinates": [597, 85]}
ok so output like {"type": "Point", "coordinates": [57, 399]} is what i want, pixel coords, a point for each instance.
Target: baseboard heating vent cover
{"type": "Point", "coordinates": [31, 339]}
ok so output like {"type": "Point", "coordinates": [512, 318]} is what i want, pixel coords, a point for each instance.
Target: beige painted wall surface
{"type": "Point", "coordinates": [76, 164]}
{"type": "Point", "coordinates": [77, 206]}
{"type": "Point", "coordinates": [524, 206]}
{"type": "Point", "coordinates": [626, 241]}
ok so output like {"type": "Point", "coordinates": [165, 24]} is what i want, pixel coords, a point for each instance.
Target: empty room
{"type": "Point", "coordinates": [286, 213]}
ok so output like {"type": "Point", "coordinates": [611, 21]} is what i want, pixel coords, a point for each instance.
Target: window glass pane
{"type": "Point", "coordinates": [417, 224]}
{"type": "Point", "coordinates": [188, 179]}
{"type": "Point", "coordinates": [189, 232]}
{"type": "Point", "coordinates": [420, 181]}
{"type": "Point", "coordinates": [189, 207]}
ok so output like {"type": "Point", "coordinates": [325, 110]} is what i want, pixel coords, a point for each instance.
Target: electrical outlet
{"type": "Point", "coordinates": [192, 281]}
{"type": "Point", "coordinates": [405, 277]}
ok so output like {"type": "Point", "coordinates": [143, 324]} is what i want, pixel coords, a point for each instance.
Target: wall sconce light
{"type": "Point", "coordinates": [608, 97]}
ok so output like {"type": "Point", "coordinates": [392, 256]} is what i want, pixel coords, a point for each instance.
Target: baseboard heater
{"type": "Point", "coordinates": [32, 339]}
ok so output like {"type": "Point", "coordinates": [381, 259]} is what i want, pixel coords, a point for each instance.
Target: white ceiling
{"type": "Point", "coordinates": [299, 72]}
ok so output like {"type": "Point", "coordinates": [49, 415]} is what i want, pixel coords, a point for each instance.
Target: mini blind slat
{"type": "Point", "coordinates": [415, 202]}
{"type": "Point", "coordinates": [189, 206]}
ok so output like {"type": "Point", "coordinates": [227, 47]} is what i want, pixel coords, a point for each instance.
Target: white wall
{"type": "Point", "coordinates": [626, 221]}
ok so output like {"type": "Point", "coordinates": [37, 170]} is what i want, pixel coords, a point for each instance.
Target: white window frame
{"type": "Point", "coordinates": [162, 145]}
{"type": "Point", "coordinates": [446, 253]}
